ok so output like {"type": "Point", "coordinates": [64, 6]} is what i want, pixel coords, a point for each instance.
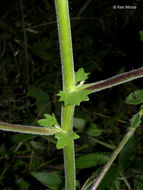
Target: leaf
{"type": "Point", "coordinates": [107, 145]}
{"type": "Point", "coordinates": [91, 160]}
{"type": "Point", "coordinates": [138, 180]}
{"type": "Point", "coordinates": [75, 97]}
{"type": "Point", "coordinates": [79, 123]}
{"type": "Point", "coordinates": [136, 119]}
{"type": "Point", "coordinates": [24, 185]}
{"type": "Point", "coordinates": [50, 180]}
{"type": "Point", "coordinates": [92, 130]}
{"type": "Point", "coordinates": [141, 35]}
{"type": "Point", "coordinates": [49, 121]}
{"type": "Point", "coordinates": [125, 155]}
{"type": "Point", "coordinates": [40, 49]}
{"type": "Point", "coordinates": [65, 139]}
{"type": "Point", "coordinates": [135, 97]}
{"type": "Point", "coordinates": [16, 138]}
{"type": "Point", "coordinates": [80, 76]}
{"type": "Point", "coordinates": [109, 178]}
{"type": "Point", "coordinates": [42, 98]}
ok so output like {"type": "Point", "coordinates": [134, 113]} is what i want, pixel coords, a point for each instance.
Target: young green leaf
{"type": "Point", "coordinates": [41, 99]}
{"type": "Point", "coordinates": [50, 180]}
{"type": "Point", "coordinates": [91, 160]}
{"type": "Point", "coordinates": [135, 97]}
{"type": "Point", "coordinates": [125, 160]}
{"type": "Point", "coordinates": [136, 119]}
{"type": "Point", "coordinates": [109, 178]}
{"type": "Point", "coordinates": [75, 97]}
{"type": "Point", "coordinates": [65, 139]}
{"type": "Point", "coordinates": [49, 121]}
{"type": "Point", "coordinates": [80, 76]}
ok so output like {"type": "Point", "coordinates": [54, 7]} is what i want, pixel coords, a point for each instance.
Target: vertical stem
{"type": "Point", "coordinates": [69, 161]}
{"type": "Point", "coordinates": [69, 155]}
{"type": "Point", "coordinates": [65, 43]}
{"type": "Point", "coordinates": [68, 85]}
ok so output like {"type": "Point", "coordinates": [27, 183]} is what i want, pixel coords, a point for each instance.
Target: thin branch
{"type": "Point", "coordinates": [84, 7]}
{"type": "Point", "coordinates": [126, 181]}
{"type": "Point", "coordinates": [114, 81]}
{"type": "Point", "coordinates": [100, 176]}
{"type": "Point", "coordinates": [25, 41]}
{"type": "Point", "coordinates": [55, 22]}
{"type": "Point", "coordinates": [28, 129]}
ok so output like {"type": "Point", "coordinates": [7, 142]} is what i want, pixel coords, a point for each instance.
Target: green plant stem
{"type": "Point", "coordinates": [67, 117]}
{"type": "Point", "coordinates": [69, 155]}
{"type": "Point", "coordinates": [69, 165]}
{"type": "Point", "coordinates": [65, 44]}
{"type": "Point", "coordinates": [64, 29]}
{"type": "Point", "coordinates": [100, 176]}
{"type": "Point", "coordinates": [28, 129]}
{"type": "Point", "coordinates": [114, 81]}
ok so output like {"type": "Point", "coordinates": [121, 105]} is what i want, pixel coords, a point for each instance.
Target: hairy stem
{"type": "Point", "coordinates": [65, 43]}
{"type": "Point", "coordinates": [125, 139]}
{"type": "Point", "coordinates": [69, 155]}
{"type": "Point", "coordinates": [114, 81]}
{"type": "Point", "coordinates": [69, 165]}
{"type": "Point", "coordinates": [63, 21]}
{"type": "Point", "coordinates": [28, 129]}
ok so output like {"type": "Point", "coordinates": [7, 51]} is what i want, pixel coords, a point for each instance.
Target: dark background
{"type": "Point", "coordinates": [106, 42]}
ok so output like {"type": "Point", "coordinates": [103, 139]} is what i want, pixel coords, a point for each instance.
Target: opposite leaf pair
{"type": "Point", "coordinates": [77, 95]}
{"type": "Point", "coordinates": [64, 138]}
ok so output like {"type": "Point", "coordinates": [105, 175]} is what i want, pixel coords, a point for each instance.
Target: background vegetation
{"type": "Point", "coordinates": [106, 42]}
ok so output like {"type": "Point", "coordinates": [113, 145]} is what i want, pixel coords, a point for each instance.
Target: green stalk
{"type": "Point", "coordinates": [64, 29]}
{"type": "Point", "coordinates": [125, 139]}
{"type": "Point", "coordinates": [28, 129]}
{"type": "Point", "coordinates": [69, 155]}
{"type": "Point", "coordinates": [65, 44]}
{"type": "Point", "coordinates": [69, 165]}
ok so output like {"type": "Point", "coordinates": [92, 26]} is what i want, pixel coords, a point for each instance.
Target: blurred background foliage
{"type": "Point", "coordinates": [106, 42]}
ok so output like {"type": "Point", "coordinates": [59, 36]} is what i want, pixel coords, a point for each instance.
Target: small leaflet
{"type": "Point", "coordinates": [75, 97]}
{"type": "Point", "coordinates": [136, 119]}
{"type": "Point", "coordinates": [135, 97]}
{"type": "Point", "coordinates": [49, 121]}
{"type": "Point", "coordinates": [80, 76]}
{"type": "Point", "coordinates": [65, 139]}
